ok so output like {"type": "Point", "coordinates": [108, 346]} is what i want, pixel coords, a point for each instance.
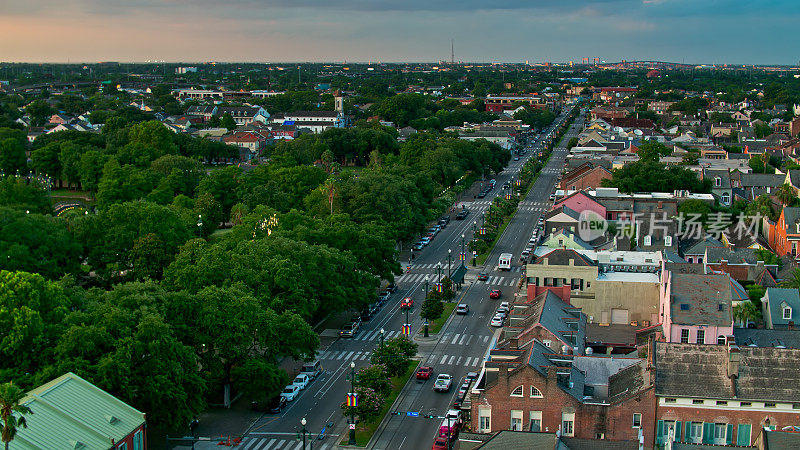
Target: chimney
{"type": "Point", "coordinates": [571, 262]}
{"type": "Point", "coordinates": [734, 357]}
{"type": "Point", "coordinates": [513, 343]}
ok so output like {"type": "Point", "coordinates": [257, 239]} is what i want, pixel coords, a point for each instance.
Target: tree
{"type": "Point", "coordinates": [228, 122]}
{"type": "Point", "coordinates": [12, 156]}
{"type": "Point", "coordinates": [90, 169]}
{"type": "Point", "coordinates": [786, 195]}
{"type": "Point", "coordinates": [653, 150]}
{"type": "Point", "coordinates": [793, 280]}
{"type": "Point", "coordinates": [374, 377]}
{"type": "Point", "coordinates": [745, 312]}
{"type": "Point", "coordinates": [432, 309]}
{"type": "Point", "coordinates": [652, 176]}
{"type": "Point", "coordinates": [759, 165]}
{"type": "Point", "coordinates": [20, 194]}
{"type": "Point", "coordinates": [12, 412]}
{"type": "Point", "coordinates": [370, 404]}
{"type": "Point", "coordinates": [692, 207]}
{"type": "Point", "coordinates": [36, 243]}
{"type": "Point", "coordinates": [395, 355]}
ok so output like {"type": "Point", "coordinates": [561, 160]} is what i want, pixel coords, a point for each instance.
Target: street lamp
{"type": "Point", "coordinates": [352, 440]}
{"type": "Point", "coordinates": [200, 224]}
{"type": "Point", "coordinates": [438, 272]}
{"type": "Point", "coordinates": [382, 333]}
{"type": "Point", "coordinates": [464, 255]}
{"type": "Point", "coordinates": [303, 423]}
{"type": "Point", "coordinates": [449, 257]}
{"type": "Point", "coordinates": [426, 297]}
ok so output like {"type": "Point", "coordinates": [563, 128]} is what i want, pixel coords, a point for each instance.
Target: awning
{"type": "Point", "coordinates": [458, 274]}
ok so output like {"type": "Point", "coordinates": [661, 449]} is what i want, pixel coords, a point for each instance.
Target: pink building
{"type": "Point", "coordinates": [580, 202]}
{"type": "Point", "coordinates": [696, 308]}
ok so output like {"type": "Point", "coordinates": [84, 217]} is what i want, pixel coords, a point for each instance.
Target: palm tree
{"type": "Point", "coordinates": [745, 312]}
{"type": "Point", "coordinates": [10, 396]}
{"type": "Point", "coordinates": [786, 194]}
{"type": "Point", "coordinates": [793, 281]}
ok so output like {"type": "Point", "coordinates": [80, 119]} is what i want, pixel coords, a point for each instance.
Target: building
{"type": "Point", "coordinates": [244, 115]}
{"type": "Point", "coordinates": [585, 176]}
{"type": "Point", "coordinates": [778, 308]}
{"type": "Point", "coordinates": [724, 394]}
{"type": "Point", "coordinates": [503, 103]}
{"type": "Point", "coordinates": [251, 141]}
{"type": "Point", "coordinates": [527, 386]}
{"type": "Point", "coordinates": [696, 308]}
{"type": "Point", "coordinates": [783, 236]}
{"type": "Point", "coordinates": [204, 111]}
{"type": "Point", "coordinates": [314, 121]}
{"type": "Point", "coordinates": [70, 413]}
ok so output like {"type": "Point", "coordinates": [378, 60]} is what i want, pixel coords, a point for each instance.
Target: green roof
{"type": "Point", "coordinates": [70, 413]}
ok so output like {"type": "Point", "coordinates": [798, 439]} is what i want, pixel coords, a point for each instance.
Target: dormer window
{"type": "Point", "coordinates": [717, 181]}
{"type": "Point", "coordinates": [787, 313]}
{"type": "Point", "coordinates": [647, 241]}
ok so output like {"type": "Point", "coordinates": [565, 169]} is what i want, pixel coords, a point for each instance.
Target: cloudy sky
{"type": "Point", "coordinates": [694, 31]}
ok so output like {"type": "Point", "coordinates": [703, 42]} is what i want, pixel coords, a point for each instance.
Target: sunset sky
{"type": "Point", "coordinates": [694, 31]}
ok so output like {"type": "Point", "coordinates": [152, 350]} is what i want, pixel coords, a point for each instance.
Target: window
{"type": "Point", "coordinates": [726, 198]}
{"type": "Point", "coordinates": [667, 241]}
{"type": "Point", "coordinates": [722, 403]}
{"type": "Point", "coordinates": [717, 181]}
{"type": "Point", "coordinates": [547, 343]}
{"type": "Point", "coordinates": [697, 402]}
{"type": "Point", "coordinates": [769, 405]}
{"type": "Point", "coordinates": [536, 393]}
{"type": "Point", "coordinates": [137, 441]}
{"type": "Point", "coordinates": [516, 420]}
{"type": "Point", "coordinates": [518, 391]}
{"type": "Point", "coordinates": [484, 420]}
{"type": "Point", "coordinates": [684, 307]}
{"type": "Point", "coordinates": [648, 241]}
{"type": "Point", "coordinates": [685, 336]}
{"type": "Point", "coordinates": [720, 433]}
{"type": "Point", "coordinates": [536, 421]}
{"type": "Point", "coordinates": [695, 434]}
{"type": "Point", "coordinates": [787, 313]}
{"type": "Point", "coordinates": [743, 435]}
{"type": "Point", "coordinates": [637, 420]}
{"type": "Point", "coordinates": [744, 404]}
{"type": "Point", "coordinates": [721, 340]}
{"type": "Point", "coordinates": [701, 337]}
{"type": "Point", "coordinates": [669, 400]}
{"type": "Point", "coordinates": [720, 307]}
{"type": "Point", "coordinates": [567, 424]}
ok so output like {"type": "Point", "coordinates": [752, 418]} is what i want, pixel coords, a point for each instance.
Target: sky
{"type": "Point", "coordinates": [690, 31]}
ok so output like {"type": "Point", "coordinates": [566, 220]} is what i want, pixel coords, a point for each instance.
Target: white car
{"type": "Point", "coordinates": [505, 305]}
{"type": "Point", "coordinates": [301, 381]}
{"type": "Point", "coordinates": [290, 392]}
{"type": "Point", "coordinates": [497, 321]}
{"type": "Point", "coordinates": [443, 383]}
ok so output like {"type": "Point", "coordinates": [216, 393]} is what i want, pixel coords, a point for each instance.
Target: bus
{"type": "Point", "coordinates": [505, 261]}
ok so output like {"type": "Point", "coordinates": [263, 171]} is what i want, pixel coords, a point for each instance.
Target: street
{"type": "Point", "coordinates": [458, 349]}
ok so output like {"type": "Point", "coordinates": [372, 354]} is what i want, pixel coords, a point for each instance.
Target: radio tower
{"type": "Point", "coordinates": [452, 52]}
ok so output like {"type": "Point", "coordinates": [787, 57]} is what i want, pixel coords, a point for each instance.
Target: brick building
{"type": "Point", "coordinates": [585, 176]}
{"type": "Point", "coordinates": [724, 394]}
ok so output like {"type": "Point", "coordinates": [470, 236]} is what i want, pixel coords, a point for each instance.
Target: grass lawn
{"type": "Point", "coordinates": [436, 325]}
{"type": "Point", "coordinates": [364, 432]}
{"type": "Point", "coordinates": [482, 257]}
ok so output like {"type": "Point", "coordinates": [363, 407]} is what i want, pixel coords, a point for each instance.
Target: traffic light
{"type": "Point", "coordinates": [430, 416]}
{"type": "Point", "coordinates": [397, 413]}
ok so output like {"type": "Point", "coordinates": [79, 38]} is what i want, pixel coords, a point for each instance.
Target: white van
{"type": "Point", "coordinates": [505, 261]}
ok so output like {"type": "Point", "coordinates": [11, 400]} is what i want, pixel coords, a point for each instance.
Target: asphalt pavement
{"type": "Point", "coordinates": [459, 348]}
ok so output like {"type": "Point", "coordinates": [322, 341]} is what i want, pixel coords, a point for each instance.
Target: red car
{"type": "Point", "coordinates": [424, 373]}
{"type": "Point", "coordinates": [440, 443]}
{"type": "Point", "coordinates": [407, 303]}
{"type": "Point", "coordinates": [495, 293]}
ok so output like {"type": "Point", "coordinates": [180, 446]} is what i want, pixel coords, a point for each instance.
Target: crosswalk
{"type": "Point", "coordinates": [453, 360]}
{"type": "Point", "coordinates": [343, 355]}
{"type": "Point", "coordinates": [265, 443]}
{"type": "Point", "coordinates": [493, 280]}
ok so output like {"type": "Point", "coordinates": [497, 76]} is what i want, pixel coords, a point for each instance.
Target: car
{"type": "Point", "coordinates": [440, 443]}
{"type": "Point", "coordinates": [501, 311]}
{"type": "Point", "coordinates": [505, 305]}
{"type": "Point", "coordinates": [462, 214]}
{"type": "Point", "coordinates": [384, 296]}
{"type": "Point", "coordinates": [391, 288]}
{"type": "Point", "coordinates": [425, 240]}
{"type": "Point", "coordinates": [525, 253]}
{"type": "Point", "coordinates": [419, 245]}
{"type": "Point", "coordinates": [443, 383]}
{"type": "Point", "coordinates": [407, 303]}
{"type": "Point", "coordinates": [290, 392]}
{"type": "Point", "coordinates": [350, 329]}
{"type": "Point", "coordinates": [366, 314]}
{"type": "Point", "coordinates": [301, 381]}
{"type": "Point", "coordinates": [462, 309]}
{"type": "Point", "coordinates": [497, 321]}
{"type": "Point", "coordinates": [495, 293]}
{"type": "Point", "coordinates": [424, 373]}
{"type": "Point", "coordinates": [481, 194]}
{"type": "Point", "coordinates": [312, 369]}
{"type": "Point", "coordinates": [471, 376]}
{"type": "Point", "coordinates": [274, 405]}
{"type": "Point", "coordinates": [444, 221]}
{"type": "Point", "coordinates": [483, 276]}
{"type": "Point", "coordinates": [516, 158]}
{"type": "Point", "coordinates": [552, 196]}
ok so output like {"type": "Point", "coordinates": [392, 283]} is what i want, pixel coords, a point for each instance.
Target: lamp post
{"type": "Point", "coordinates": [199, 224]}
{"type": "Point", "coordinates": [426, 297]}
{"type": "Point", "coordinates": [449, 257]}
{"type": "Point", "coordinates": [408, 324]}
{"type": "Point", "coordinates": [438, 272]}
{"type": "Point", "coordinates": [352, 440]}
{"type": "Point", "coordinates": [382, 334]}
{"type": "Point", "coordinates": [464, 255]}
{"type": "Point", "coordinates": [303, 423]}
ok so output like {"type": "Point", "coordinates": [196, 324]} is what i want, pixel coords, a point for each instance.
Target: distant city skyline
{"type": "Point", "coordinates": [712, 32]}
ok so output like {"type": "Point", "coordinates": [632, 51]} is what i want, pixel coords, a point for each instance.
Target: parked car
{"type": "Point", "coordinates": [290, 392]}
{"type": "Point", "coordinates": [274, 405]}
{"type": "Point", "coordinates": [501, 312]}
{"type": "Point", "coordinates": [481, 194]}
{"type": "Point", "coordinates": [425, 240]}
{"type": "Point", "coordinates": [471, 376]}
{"type": "Point", "coordinates": [301, 381]}
{"type": "Point", "coordinates": [440, 443]}
{"type": "Point", "coordinates": [443, 383]}
{"type": "Point", "coordinates": [462, 214]}
{"type": "Point", "coordinates": [495, 293]}
{"type": "Point", "coordinates": [444, 221]}
{"type": "Point", "coordinates": [505, 305]}
{"type": "Point", "coordinates": [392, 287]}
{"type": "Point", "coordinates": [407, 303]}
{"type": "Point", "coordinates": [497, 321]}
{"type": "Point", "coordinates": [424, 373]}
{"type": "Point", "coordinates": [419, 245]}
{"type": "Point", "coordinates": [483, 276]}
{"type": "Point", "coordinates": [462, 309]}
{"type": "Point", "coordinates": [384, 296]}
{"type": "Point", "coordinates": [312, 369]}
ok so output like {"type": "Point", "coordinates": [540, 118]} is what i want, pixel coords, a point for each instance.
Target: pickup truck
{"type": "Point", "coordinates": [443, 383]}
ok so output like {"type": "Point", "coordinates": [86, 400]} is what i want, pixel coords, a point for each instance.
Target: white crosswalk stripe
{"type": "Point", "coordinates": [271, 441]}
{"type": "Point", "coordinates": [461, 341]}
{"type": "Point", "coordinates": [452, 358]}
{"type": "Point", "coordinates": [485, 339]}
{"type": "Point", "coordinates": [469, 340]}
{"type": "Point", "coordinates": [444, 358]}
{"type": "Point", "coordinates": [455, 338]}
{"type": "Point", "coordinates": [365, 355]}
{"type": "Point", "coordinates": [458, 361]}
